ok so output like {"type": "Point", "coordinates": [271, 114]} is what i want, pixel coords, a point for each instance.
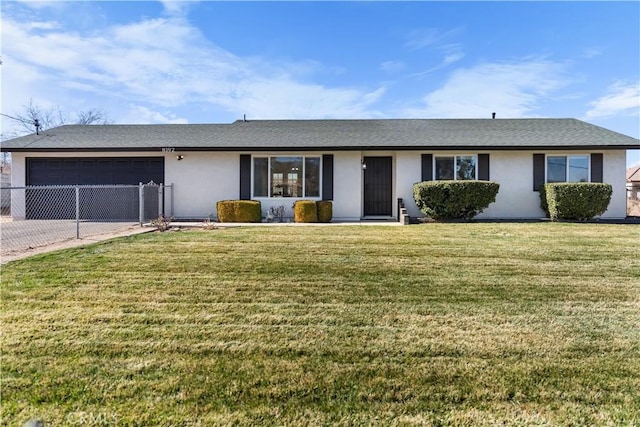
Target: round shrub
{"type": "Point", "coordinates": [305, 211]}
{"type": "Point", "coordinates": [442, 200]}
{"type": "Point", "coordinates": [239, 211]}
{"type": "Point", "coordinates": [325, 210]}
{"type": "Point", "coordinates": [578, 201]}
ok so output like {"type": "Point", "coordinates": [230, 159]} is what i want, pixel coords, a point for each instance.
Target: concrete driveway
{"type": "Point", "coordinates": [22, 237]}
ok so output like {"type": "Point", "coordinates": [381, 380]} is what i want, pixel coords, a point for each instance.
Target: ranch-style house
{"type": "Point", "coordinates": [362, 166]}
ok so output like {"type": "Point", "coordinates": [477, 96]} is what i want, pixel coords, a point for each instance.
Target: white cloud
{"type": "Point", "coordinates": [41, 4]}
{"type": "Point", "coordinates": [453, 54]}
{"type": "Point", "coordinates": [392, 66]}
{"type": "Point", "coordinates": [144, 115]}
{"type": "Point", "coordinates": [177, 7]}
{"type": "Point", "coordinates": [451, 57]}
{"type": "Point", "coordinates": [283, 99]}
{"type": "Point", "coordinates": [590, 52]}
{"type": "Point", "coordinates": [622, 99]}
{"type": "Point", "coordinates": [429, 37]}
{"type": "Point", "coordinates": [512, 89]}
{"type": "Point", "coordinates": [437, 41]}
{"type": "Point", "coordinates": [50, 25]}
{"type": "Point", "coordinates": [164, 64]}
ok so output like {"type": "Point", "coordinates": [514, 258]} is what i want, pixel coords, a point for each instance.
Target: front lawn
{"type": "Point", "coordinates": [436, 324]}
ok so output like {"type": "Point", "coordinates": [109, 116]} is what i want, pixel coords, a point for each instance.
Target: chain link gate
{"type": "Point", "coordinates": [39, 215]}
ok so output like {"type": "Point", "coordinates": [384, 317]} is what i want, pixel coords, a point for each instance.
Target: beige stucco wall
{"type": "Point", "coordinates": [200, 180]}
{"type": "Point", "coordinates": [203, 178]}
{"type": "Point", "coordinates": [513, 170]}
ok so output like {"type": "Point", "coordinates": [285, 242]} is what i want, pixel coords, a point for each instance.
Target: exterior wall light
{"type": "Point", "coordinates": [179, 157]}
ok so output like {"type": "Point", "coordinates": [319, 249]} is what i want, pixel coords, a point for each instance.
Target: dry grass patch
{"type": "Point", "coordinates": [438, 324]}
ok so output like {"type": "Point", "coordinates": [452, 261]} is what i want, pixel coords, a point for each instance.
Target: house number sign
{"type": "Point", "coordinates": [168, 149]}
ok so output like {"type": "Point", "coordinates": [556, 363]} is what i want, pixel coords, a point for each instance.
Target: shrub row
{"type": "Point", "coordinates": [239, 211]}
{"type": "Point", "coordinates": [443, 200]}
{"type": "Point", "coordinates": [251, 211]}
{"type": "Point", "coordinates": [579, 201]}
{"type": "Point", "coordinates": [312, 211]}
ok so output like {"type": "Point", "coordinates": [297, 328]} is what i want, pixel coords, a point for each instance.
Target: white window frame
{"type": "Point", "coordinates": [303, 176]}
{"type": "Point", "coordinates": [567, 171]}
{"type": "Point", "coordinates": [455, 163]}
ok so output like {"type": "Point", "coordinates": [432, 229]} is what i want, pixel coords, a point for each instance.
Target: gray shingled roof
{"type": "Point", "coordinates": [435, 134]}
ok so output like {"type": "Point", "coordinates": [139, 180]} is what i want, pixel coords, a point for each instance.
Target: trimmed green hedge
{"type": "Point", "coordinates": [305, 211]}
{"type": "Point", "coordinates": [579, 201]}
{"type": "Point", "coordinates": [543, 200]}
{"type": "Point", "coordinates": [454, 199]}
{"type": "Point", "coordinates": [239, 211]}
{"type": "Point", "coordinates": [325, 210]}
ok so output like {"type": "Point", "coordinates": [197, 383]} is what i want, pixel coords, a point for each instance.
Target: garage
{"type": "Point", "coordinates": [94, 171]}
{"type": "Point", "coordinates": [109, 204]}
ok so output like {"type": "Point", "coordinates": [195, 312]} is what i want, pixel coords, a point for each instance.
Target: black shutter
{"type": "Point", "coordinates": [538, 171]}
{"type": "Point", "coordinates": [245, 176]}
{"type": "Point", "coordinates": [483, 167]}
{"type": "Point", "coordinates": [596, 167]}
{"type": "Point", "coordinates": [427, 167]}
{"type": "Point", "coordinates": [327, 177]}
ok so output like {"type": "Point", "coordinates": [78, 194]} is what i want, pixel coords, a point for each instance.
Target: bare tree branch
{"type": "Point", "coordinates": [48, 118]}
{"type": "Point", "coordinates": [91, 117]}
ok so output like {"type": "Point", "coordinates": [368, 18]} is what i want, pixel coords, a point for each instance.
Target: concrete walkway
{"type": "Point", "coordinates": [9, 253]}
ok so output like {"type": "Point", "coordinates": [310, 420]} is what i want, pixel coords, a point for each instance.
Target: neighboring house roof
{"type": "Point", "coordinates": [435, 134]}
{"type": "Point", "coordinates": [633, 174]}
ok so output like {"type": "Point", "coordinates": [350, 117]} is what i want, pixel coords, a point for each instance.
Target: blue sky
{"type": "Point", "coordinates": [212, 62]}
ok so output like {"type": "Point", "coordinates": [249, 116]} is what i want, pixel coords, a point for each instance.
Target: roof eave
{"type": "Point", "coordinates": [330, 148]}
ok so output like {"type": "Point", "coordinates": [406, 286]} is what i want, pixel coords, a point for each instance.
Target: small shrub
{"type": "Point", "coordinates": [305, 211]}
{"type": "Point", "coordinates": [207, 224]}
{"type": "Point", "coordinates": [578, 201]}
{"type": "Point", "coordinates": [454, 199]}
{"type": "Point", "coordinates": [325, 210]}
{"type": "Point", "coordinates": [239, 211]}
{"type": "Point", "coordinates": [277, 212]}
{"type": "Point", "coordinates": [162, 223]}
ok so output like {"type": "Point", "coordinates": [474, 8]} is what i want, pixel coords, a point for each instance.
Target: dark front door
{"type": "Point", "coordinates": [377, 186]}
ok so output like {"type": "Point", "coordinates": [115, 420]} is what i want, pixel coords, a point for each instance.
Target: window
{"type": "Point", "coordinates": [286, 176]}
{"type": "Point", "coordinates": [567, 169]}
{"type": "Point", "coordinates": [455, 167]}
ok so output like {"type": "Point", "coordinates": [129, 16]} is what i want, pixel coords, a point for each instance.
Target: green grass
{"type": "Point", "coordinates": [437, 324]}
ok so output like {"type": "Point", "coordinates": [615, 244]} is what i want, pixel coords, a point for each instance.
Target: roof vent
{"type": "Point", "coordinates": [244, 117]}
{"type": "Point", "coordinates": [493, 115]}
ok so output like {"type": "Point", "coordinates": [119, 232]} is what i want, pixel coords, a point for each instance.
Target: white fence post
{"type": "Point", "coordinates": [77, 212]}
{"type": "Point", "coordinates": [160, 199]}
{"type": "Point", "coordinates": [141, 204]}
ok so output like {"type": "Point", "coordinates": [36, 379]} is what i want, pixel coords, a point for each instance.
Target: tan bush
{"type": "Point", "coordinates": [305, 211]}
{"type": "Point", "coordinates": [239, 211]}
{"type": "Point", "coordinates": [325, 210]}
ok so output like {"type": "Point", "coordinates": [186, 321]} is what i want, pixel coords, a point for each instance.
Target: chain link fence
{"type": "Point", "coordinates": [40, 215]}
{"type": "Point", "coordinates": [633, 199]}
